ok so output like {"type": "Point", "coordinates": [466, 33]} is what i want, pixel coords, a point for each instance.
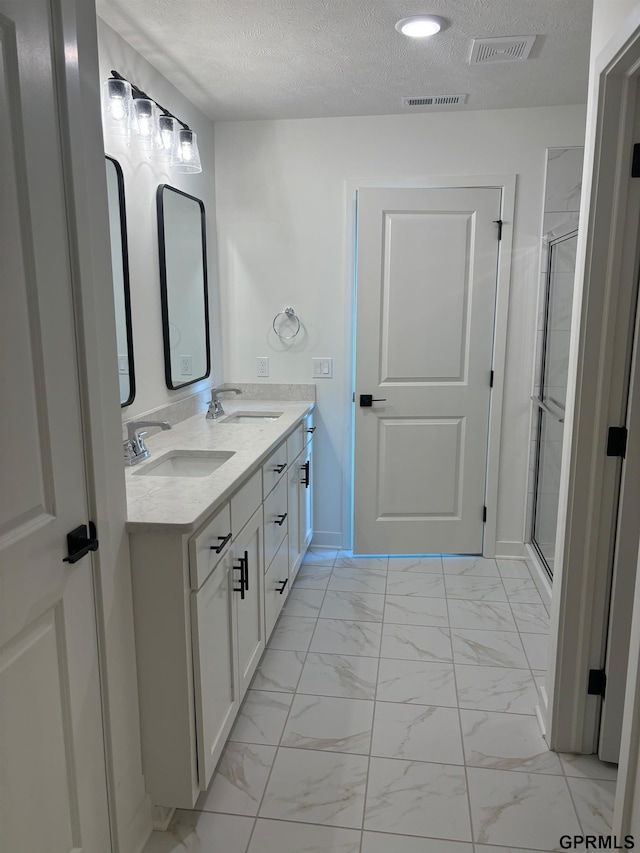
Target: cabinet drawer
{"type": "Point", "coordinates": [274, 468]}
{"type": "Point", "coordinates": [209, 546]}
{"type": "Point", "coordinates": [276, 586]}
{"type": "Point", "coordinates": [275, 525]}
{"type": "Point", "coordinates": [245, 502]}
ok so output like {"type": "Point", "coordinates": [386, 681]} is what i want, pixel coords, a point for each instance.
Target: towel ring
{"type": "Point", "coordinates": [291, 315]}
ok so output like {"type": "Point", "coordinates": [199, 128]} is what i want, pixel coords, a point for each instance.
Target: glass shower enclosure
{"type": "Point", "coordinates": [550, 396]}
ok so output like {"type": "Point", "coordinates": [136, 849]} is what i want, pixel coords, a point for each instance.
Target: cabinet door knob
{"type": "Point", "coordinates": [280, 520]}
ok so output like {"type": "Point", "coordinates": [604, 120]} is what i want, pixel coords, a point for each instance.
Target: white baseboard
{"type": "Point", "coordinates": [540, 577]}
{"type": "Point", "coordinates": [509, 550]}
{"type": "Point", "coordinates": [327, 539]}
{"type": "Point", "coordinates": [161, 817]}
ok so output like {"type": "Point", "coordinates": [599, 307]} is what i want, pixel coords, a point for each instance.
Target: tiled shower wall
{"type": "Point", "coordinates": [563, 186]}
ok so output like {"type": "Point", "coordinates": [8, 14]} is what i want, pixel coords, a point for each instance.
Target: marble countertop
{"type": "Point", "coordinates": [182, 504]}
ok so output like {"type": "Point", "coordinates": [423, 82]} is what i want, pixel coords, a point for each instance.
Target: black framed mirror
{"type": "Point", "coordinates": [121, 288]}
{"type": "Point", "coordinates": [183, 287]}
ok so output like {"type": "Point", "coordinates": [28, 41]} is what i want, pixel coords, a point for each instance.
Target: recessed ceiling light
{"type": "Point", "coordinates": [419, 26]}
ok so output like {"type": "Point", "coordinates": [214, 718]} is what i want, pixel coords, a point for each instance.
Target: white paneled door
{"type": "Point", "coordinates": [426, 284]}
{"type": "Point", "coordinates": [52, 769]}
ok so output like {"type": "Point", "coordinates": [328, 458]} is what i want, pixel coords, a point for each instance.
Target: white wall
{"type": "Point", "coordinates": [141, 180]}
{"type": "Point", "coordinates": [283, 237]}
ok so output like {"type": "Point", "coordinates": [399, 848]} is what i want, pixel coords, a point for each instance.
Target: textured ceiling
{"type": "Point", "coordinates": [255, 59]}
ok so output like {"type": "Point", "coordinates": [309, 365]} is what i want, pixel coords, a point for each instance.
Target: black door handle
{"type": "Point", "coordinates": [79, 543]}
{"type": "Point", "coordinates": [311, 429]}
{"type": "Point", "coordinates": [284, 585]}
{"type": "Point", "coordinates": [280, 468]}
{"type": "Point", "coordinates": [280, 520]}
{"type": "Point", "coordinates": [307, 474]}
{"type": "Point", "coordinates": [366, 400]}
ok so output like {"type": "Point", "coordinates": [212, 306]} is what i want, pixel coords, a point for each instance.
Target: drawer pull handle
{"type": "Point", "coordinates": [220, 548]}
{"type": "Point", "coordinates": [284, 585]}
{"type": "Point", "coordinates": [240, 588]}
{"type": "Point", "coordinates": [280, 468]}
{"type": "Point", "coordinates": [311, 429]}
{"type": "Point", "coordinates": [307, 474]}
{"type": "Point", "coordinates": [280, 520]}
{"type": "Point", "coordinates": [245, 562]}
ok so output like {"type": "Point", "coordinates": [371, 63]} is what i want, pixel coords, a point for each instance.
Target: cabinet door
{"type": "Point", "coordinates": [305, 498]}
{"type": "Point", "coordinates": [217, 696]}
{"type": "Point", "coordinates": [249, 562]}
{"type": "Point", "coordinates": [293, 484]}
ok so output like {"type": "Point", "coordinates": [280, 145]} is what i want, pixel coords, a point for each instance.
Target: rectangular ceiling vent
{"type": "Point", "coordinates": [435, 101]}
{"type": "Point", "coordinates": [505, 49]}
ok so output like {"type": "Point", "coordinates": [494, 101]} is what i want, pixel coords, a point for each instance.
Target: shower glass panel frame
{"type": "Point", "coordinates": [551, 397]}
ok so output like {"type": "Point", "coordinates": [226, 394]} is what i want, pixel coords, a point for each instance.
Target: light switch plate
{"type": "Point", "coordinates": [123, 364]}
{"type": "Point", "coordinates": [322, 368]}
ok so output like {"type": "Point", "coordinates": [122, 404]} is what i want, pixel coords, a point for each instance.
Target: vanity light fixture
{"type": "Point", "coordinates": [420, 26]}
{"type": "Point", "coordinates": [130, 112]}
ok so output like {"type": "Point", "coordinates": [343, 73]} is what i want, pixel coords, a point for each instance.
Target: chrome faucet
{"type": "Point", "coordinates": [215, 409]}
{"type": "Point", "coordinates": [135, 449]}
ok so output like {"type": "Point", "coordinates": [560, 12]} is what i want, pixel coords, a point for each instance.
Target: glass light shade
{"type": "Point", "coordinates": [117, 109]}
{"type": "Point", "coordinates": [168, 138]}
{"type": "Point", "coordinates": [146, 113]}
{"type": "Point", "coordinates": [187, 158]}
{"type": "Point", "coordinates": [419, 26]}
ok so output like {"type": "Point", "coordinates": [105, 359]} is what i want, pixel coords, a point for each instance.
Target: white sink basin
{"type": "Point", "coordinates": [250, 417]}
{"type": "Point", "coordinates": [186, 463]}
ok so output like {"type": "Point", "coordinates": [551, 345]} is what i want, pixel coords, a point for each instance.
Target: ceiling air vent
{"type": "Point", "coordinates": [505, 49]}
{"type": "Point", "coordinates": [435, 101]}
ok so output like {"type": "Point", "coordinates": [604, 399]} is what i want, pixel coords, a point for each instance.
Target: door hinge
{"type": "Point", "coordinates": [597, 682]}
{"type": "Point", "coordinates": [635, 161]}
{"type": "Point", "coordinates": [499, 223]}
{"type": "Point", "coordinates": [484, 514]}
{"type": "Point", "coordinates": [617, 441]}
{"type": "Point", "coordinates": [491, 379]}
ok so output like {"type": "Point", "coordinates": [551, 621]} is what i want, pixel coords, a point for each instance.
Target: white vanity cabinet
{"type": "Point", "coordinates": [205, 604]}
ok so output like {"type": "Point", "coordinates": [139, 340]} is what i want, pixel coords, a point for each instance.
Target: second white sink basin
{"type": "Point", "coordinates": [250, 417]}
{"type": "Point", "coordinates": [186, 463]}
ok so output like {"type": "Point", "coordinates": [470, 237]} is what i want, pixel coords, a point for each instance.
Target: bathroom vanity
{"type": "Point", "coordinates": [214, 554]}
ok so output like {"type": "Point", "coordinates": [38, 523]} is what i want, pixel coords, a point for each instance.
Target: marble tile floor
{"type": "Point", "coordinates": [394, 710]}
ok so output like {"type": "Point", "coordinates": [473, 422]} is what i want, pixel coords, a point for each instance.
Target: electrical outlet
{"type": "Point", "coordinates": [262, 365]}
{"type": "Point", "coordinates": [123, 364]}
{"type": "Point", "coordinates": [186, 365]}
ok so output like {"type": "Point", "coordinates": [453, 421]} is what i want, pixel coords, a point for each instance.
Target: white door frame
{"type": "Point", "coordinates": [87, 221]}
{"type": "Point", "coordinates": [506, 183]}
{"type": "Point", "coordinates": [595, 400]}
